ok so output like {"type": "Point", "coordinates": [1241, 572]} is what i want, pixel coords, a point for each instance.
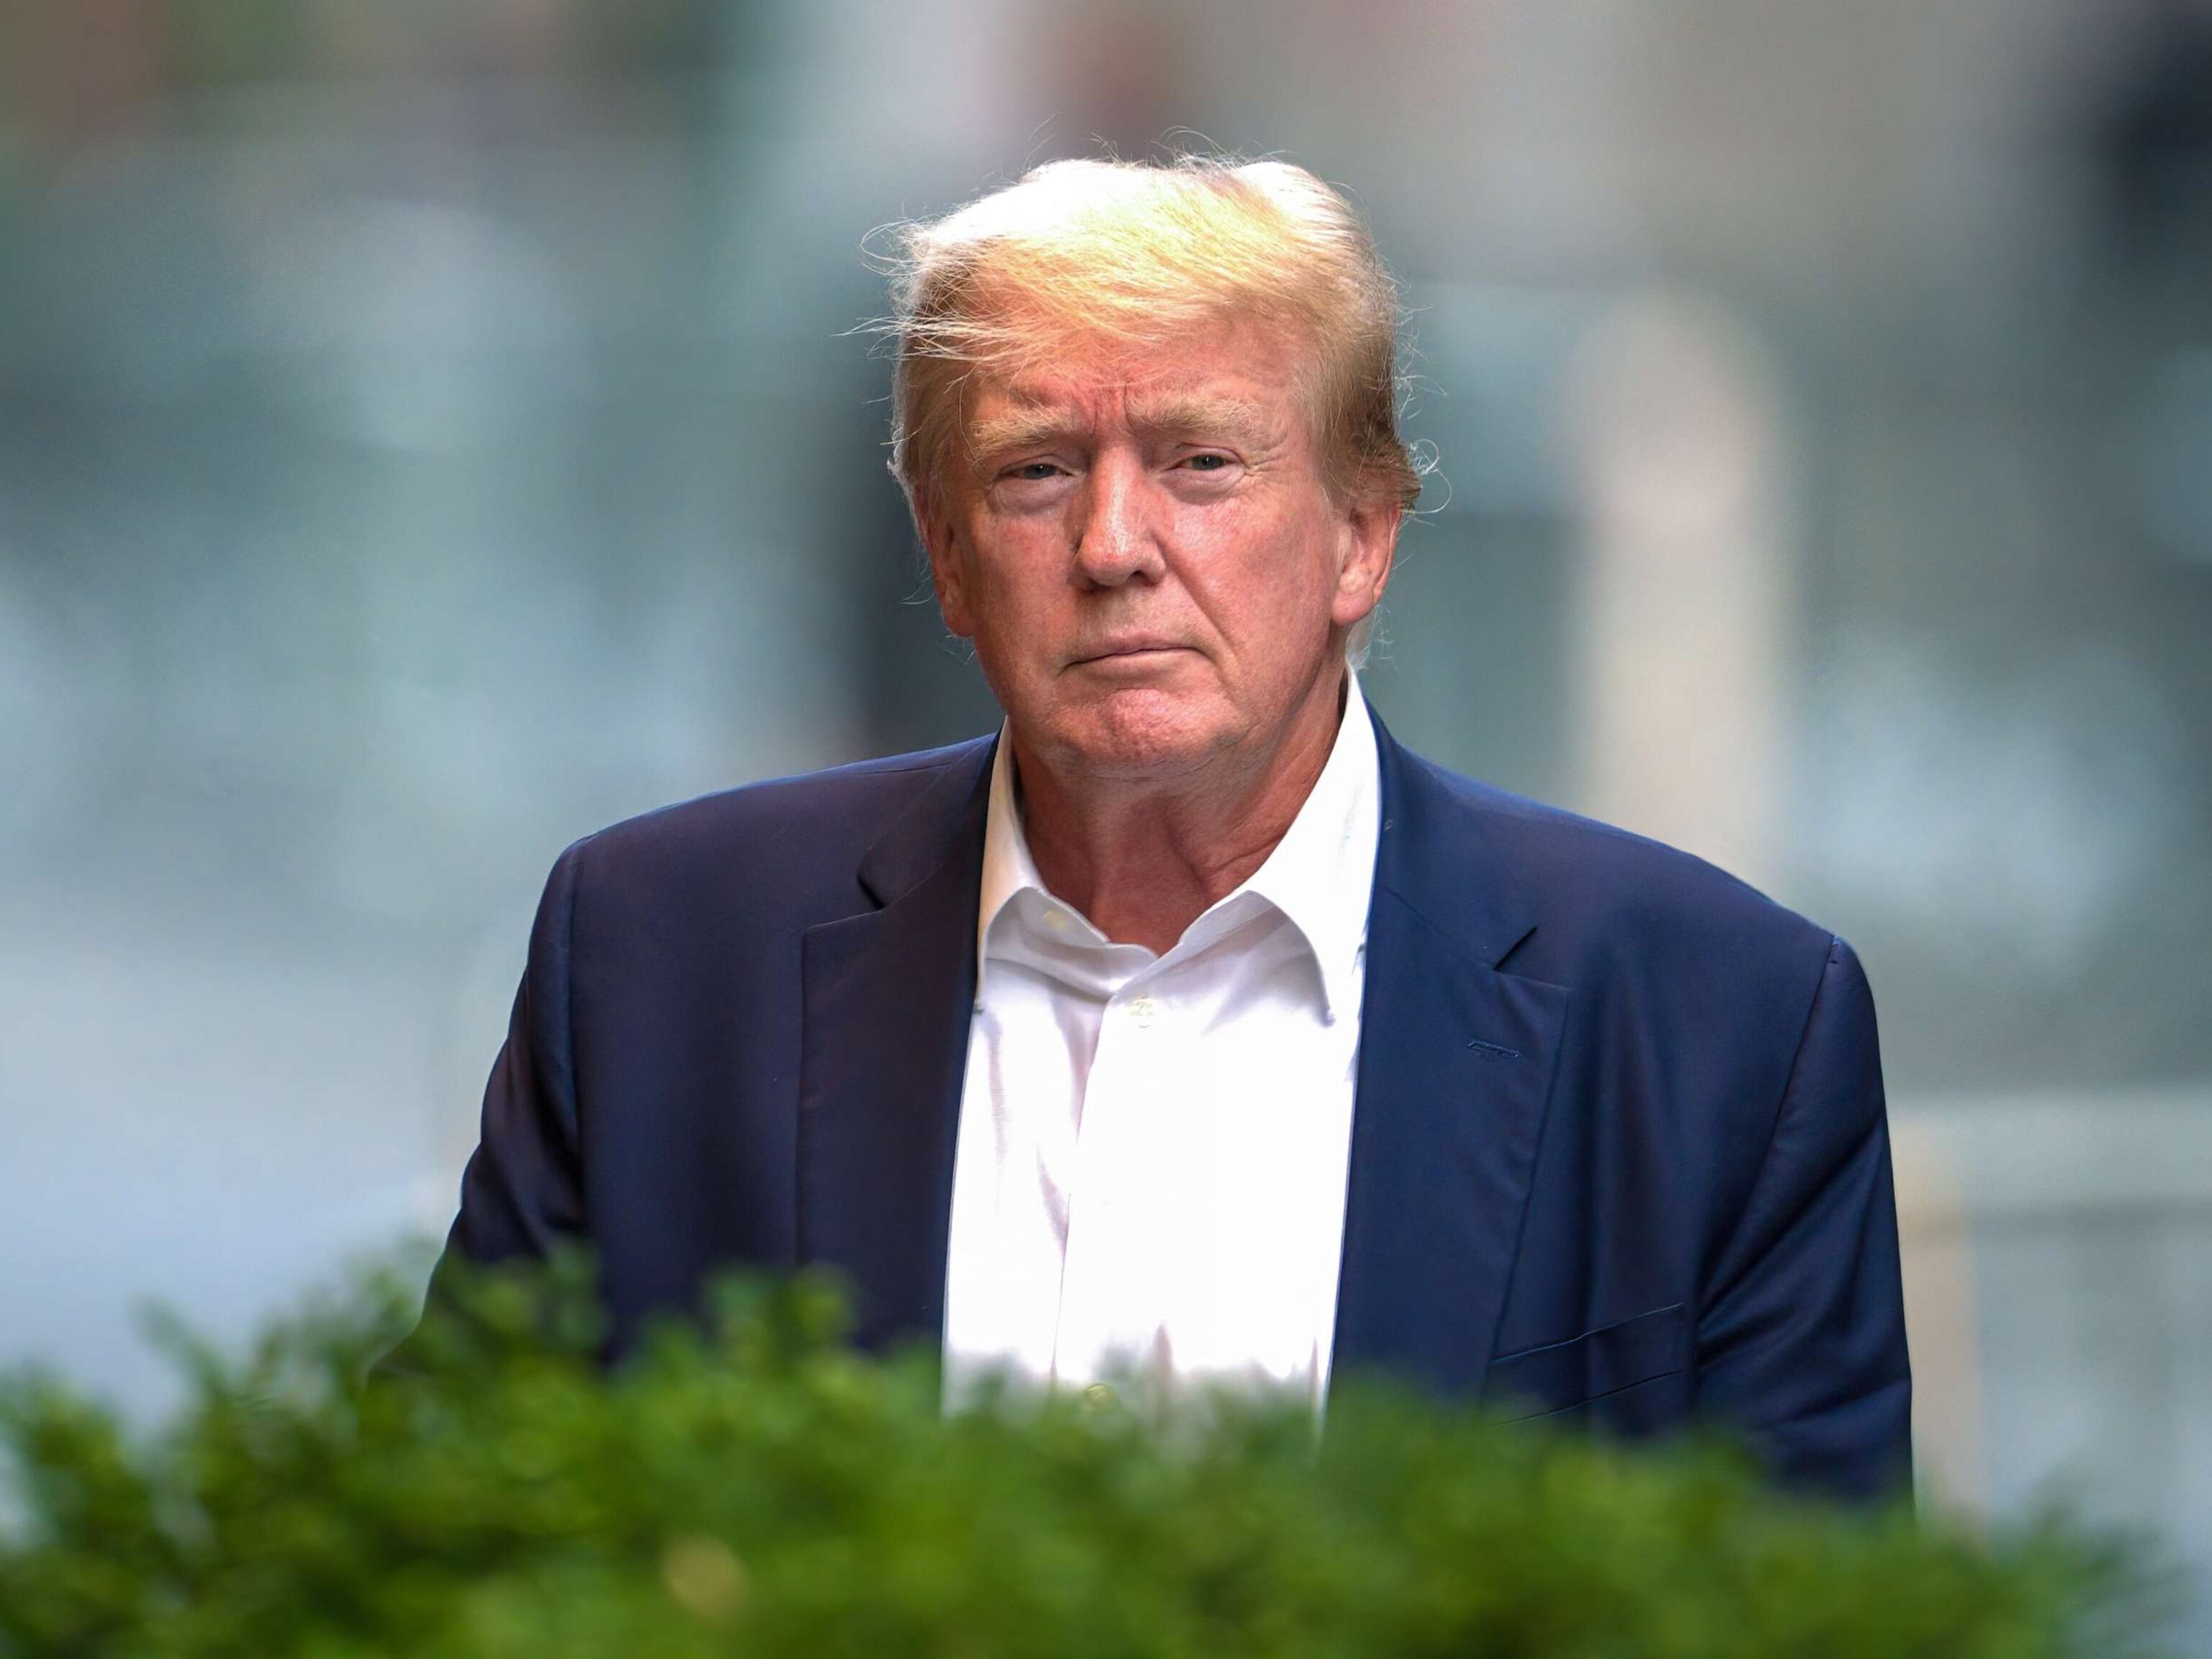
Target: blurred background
{"type": "Point", "coordinates": [430, 431]}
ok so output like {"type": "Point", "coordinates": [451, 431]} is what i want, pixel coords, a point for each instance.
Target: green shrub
{"type": "Point", "coordinates": [760, 1490]}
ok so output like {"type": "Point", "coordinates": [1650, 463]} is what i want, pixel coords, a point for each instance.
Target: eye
{"type": "Point", "coordinates": [1208, 461]}
{"type": "Point", "coordinates": [1033, 470]}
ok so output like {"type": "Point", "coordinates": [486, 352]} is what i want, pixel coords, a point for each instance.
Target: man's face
{"type": "Point", "coordinates": [1142, 550]}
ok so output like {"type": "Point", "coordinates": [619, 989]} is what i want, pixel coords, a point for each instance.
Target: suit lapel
{"type": "Point", "coordinates": [1456, 1066]}
{"type": "Point", "coordinates": [887, 998]}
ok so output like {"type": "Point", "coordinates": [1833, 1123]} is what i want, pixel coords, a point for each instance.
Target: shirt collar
{"type": "Point", "coordinates": [1008, 869]}
{"type": "Point", "coordinates": [1319, 875]}
{"type": "Point", "coordinates": [1322, 873]}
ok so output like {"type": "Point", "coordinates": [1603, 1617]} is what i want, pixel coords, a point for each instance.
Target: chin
{"type": "Point", "coordinates": [1139, 732]}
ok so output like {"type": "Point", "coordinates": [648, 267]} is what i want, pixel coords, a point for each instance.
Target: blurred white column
{"type": "Point", "coordinates": [1685, 610]}
{"type": "Point", "coordinates": [1936, 1249]}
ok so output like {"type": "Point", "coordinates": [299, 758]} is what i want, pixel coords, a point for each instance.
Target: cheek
{"type": "Point", "coordinates": [1268, 575]}
{"type": "Point", "coordinates": [1017, 589]}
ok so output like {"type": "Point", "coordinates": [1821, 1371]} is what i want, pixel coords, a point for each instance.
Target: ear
{"type": "Point", "coordinates": [1369, 539]}
{"type": "Point", "coordinates": [940, 540]}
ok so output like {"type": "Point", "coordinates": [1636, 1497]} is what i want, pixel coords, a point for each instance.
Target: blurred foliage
{"type": "Point", "coordinates": [753, 1486]}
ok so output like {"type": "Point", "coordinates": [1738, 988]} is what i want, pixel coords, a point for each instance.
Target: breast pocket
{"type": "Point", "coordinates": [1634, 1375]}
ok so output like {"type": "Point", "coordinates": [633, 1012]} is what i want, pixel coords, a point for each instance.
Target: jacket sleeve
{"type": "Point", "coordinates": [1801, 1333]}
{"type": "Point", "coordinates": [522, 1191]}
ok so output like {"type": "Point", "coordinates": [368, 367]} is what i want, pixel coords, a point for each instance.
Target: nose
{"type": "Point", "coordinates": [1115, 539]}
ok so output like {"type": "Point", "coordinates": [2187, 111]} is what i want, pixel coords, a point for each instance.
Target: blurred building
{"type": "Point", "coordinates": [429, 432]}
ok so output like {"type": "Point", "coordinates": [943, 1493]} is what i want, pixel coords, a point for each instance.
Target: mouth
{"type": "Point", "coordinates": [1130, 653]}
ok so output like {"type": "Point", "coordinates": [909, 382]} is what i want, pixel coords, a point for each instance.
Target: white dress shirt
{"type": "Point", "coordinates": [1152, 1149]}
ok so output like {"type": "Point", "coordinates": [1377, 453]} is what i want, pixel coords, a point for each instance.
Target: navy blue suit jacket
{"type": "Point", "coordinates": [1619, 1151]}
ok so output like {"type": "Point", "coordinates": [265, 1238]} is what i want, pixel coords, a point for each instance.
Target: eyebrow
{"type": "Point", "coordinates": [1180, 414]}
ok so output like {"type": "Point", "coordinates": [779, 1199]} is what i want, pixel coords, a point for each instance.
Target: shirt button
{"type": "Point", "coordinates": [1056, 921]}
{"type": "Point", "coordinates": [1141, 1008]}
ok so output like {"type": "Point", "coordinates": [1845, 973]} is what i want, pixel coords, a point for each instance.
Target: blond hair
{"type": "Point", "coordinates": [1137, 255]}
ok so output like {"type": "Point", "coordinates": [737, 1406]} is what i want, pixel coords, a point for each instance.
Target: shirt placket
{"type": "Point", "coordinates": [1119, 1224]}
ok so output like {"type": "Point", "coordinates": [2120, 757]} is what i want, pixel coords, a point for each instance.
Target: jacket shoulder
{"type": "Point", "coordinates": [1605, 889]}
{"type": "Point", "coordinates": [795, 833]}
{"type": "Point", "coordinates": [1696, 981]}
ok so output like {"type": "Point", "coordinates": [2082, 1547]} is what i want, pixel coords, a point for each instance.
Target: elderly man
{"type": "Point", "coordinates": [1190, 1024]}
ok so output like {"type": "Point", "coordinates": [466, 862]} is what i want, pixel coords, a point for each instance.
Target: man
{"type": "Point", "coordinates": [1190, 1023]}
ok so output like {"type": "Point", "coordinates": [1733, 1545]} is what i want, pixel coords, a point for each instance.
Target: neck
{"type": "Point", "coordinates": [1143, 859]}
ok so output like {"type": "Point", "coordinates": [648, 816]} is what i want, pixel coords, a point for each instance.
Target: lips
{"type": "Point", "coordinates": [1130, 647]}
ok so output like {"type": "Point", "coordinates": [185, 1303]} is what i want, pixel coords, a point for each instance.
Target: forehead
{"type": "Point", "coordinates": [1233, 364]}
